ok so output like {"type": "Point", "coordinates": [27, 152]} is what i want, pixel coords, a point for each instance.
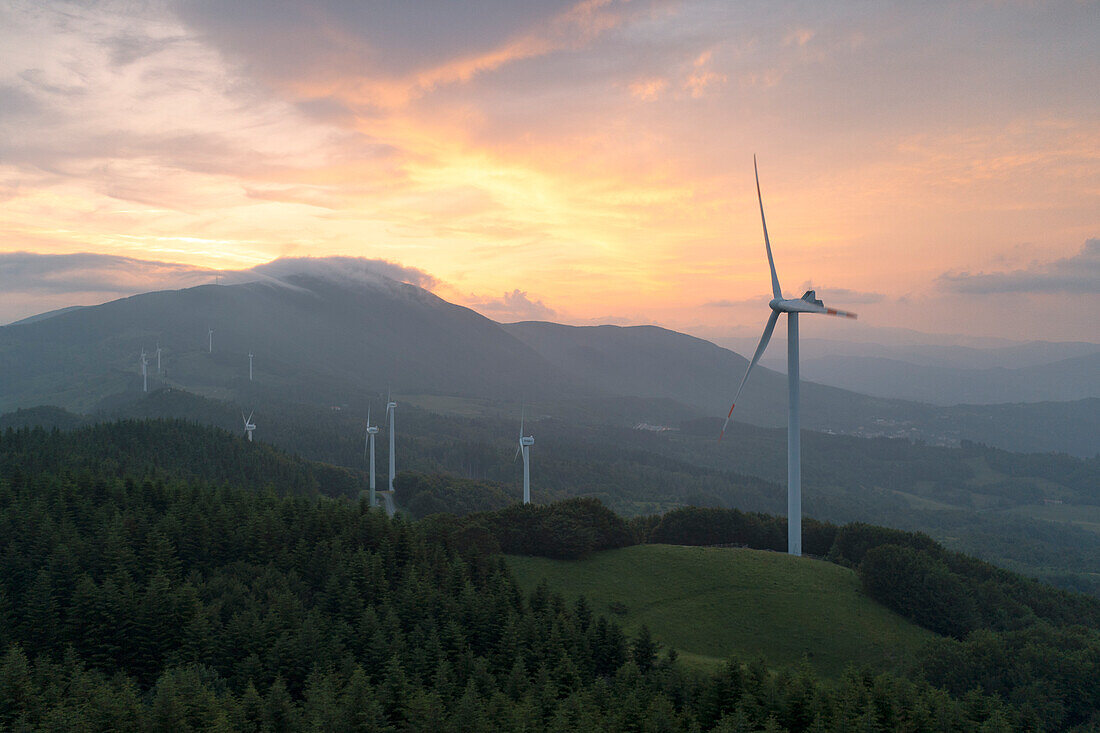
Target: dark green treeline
{"type": "Point", "coordinates": [164, 605]}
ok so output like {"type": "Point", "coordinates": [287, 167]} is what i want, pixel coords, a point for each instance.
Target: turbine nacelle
{"type": "Point", "coordinates": [806, 305]}
{"type": "Point", "coordinates": [528, 440]}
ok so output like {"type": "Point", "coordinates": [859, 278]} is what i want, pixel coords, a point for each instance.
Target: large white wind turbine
{"type": "Point", "coordinates": [249, 426]}
{"type": "Point", "coordinates": [372, 430]}
{"type": "Point", "coordinates": [144, 371]}
{"type": "Point", "coordinates": [391, 408]}
{"type": "Point", "coordinates": [524, 448]}
{"type": "Point", "coordinates": [808, 303]}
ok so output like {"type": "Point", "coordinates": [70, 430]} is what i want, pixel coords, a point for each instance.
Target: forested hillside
{"type": "Point", "coordinates": [158, 604]}
{"type": "Point", "coordinates": [174, 449]}
{"type": "Point", "coordinates": [1038, 514]}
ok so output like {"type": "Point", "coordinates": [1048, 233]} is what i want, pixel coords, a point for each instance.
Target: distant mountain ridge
{"type": "Point", "coordinates": [1068, 379]}
{"type": "Point", "coordinates": [332, 340]}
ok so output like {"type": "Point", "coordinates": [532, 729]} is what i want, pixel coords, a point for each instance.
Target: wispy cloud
{"type": "Point", "coordinates": [597, 151]}
{"type": "Point", "coordinates": [1077, 274]}
{"type": "Point", "coordinates": [513, 306]}
{"type": "Point", "coordinates": [86, 272]}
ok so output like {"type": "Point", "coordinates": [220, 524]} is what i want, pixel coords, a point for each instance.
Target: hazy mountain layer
{"type": "Point", "coordinates": [1064, 380]}
{"type": "Point", "coordinates": [335, 340]}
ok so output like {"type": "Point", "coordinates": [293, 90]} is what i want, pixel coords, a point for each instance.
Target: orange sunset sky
{"type": "Point", "coordinates": [932, 166]}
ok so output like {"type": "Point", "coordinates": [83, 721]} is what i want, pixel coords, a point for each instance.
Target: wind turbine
{"type": "Point", "coordinates": [144, 372]}
{"type": "Point", "coordinates": [250, 366]}
{"type": "Point", "coordinates": [372, 430]}
{"type": "Point", "coordinates": [210, 342]}
{"type": "Point", "coordinates": [391, 408]}
{"type": "Point", "coordinates": [249, 426]}
{"type": "Point", "coordinates": [158, 358]}
{"type": "Point", "coordinates": [808, 303]}
{"type": "Point", "coordinates": [525, 444]}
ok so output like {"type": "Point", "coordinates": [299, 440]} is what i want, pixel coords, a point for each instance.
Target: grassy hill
{"type": "Point", "coordinates": [709, 603]}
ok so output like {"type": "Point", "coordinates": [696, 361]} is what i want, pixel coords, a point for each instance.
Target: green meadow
{"type": "Point", "coordinates": [710, 603]}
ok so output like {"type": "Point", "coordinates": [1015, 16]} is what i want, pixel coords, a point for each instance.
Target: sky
{"type": "Point", "coordinates": [931, 166]}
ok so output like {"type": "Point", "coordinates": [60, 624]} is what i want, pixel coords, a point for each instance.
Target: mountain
{"type": "Point", "coordinates": [334, 339]}
{"type": "Point", "coordinates": [656, 362]}
{"type": "Point", "coordinates": [315, 340]}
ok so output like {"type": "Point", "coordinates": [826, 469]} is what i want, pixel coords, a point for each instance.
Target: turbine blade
{"type": "Point", "coordinates": [776, 292]}
{"type": "Point", "coordinates": [522, 412]}
{"type": "Point", "coordinates": [517, 453]}
{"type": "Point", "coordinates": [250, 415]}
{"type": "Point", "coordinates": [840, 314]}
{"type": "Point", "coordinates": [755, 358]}
{"type": "Point", "coordinates": [368, 415]}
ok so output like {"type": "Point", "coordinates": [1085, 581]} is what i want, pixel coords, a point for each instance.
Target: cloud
{"type": "Point", "coordinates": [85, 272]}
{"type": "Point", "coordinates": [386, 55]}
{"type": "Point", "coordinates": [702, 77]}
{"type": "Point", "coordinates": [648, 90]}
{"type": "Point", "coordinates": [358, 269]}
{"type": "Point", "coordinates": [841, 296]}
{"type": "Point", "coordinates": [1079, 273]}
{"type": "Point", "coordinates": [727, 303]}
{"type": "Point", "coordinates": [513, 306]}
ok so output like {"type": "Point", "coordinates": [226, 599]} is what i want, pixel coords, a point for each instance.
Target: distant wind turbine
{"type": "Point", "coordinates": [391, 408]}
{"type": "Point", "coordinates": [144, 371]}
{"type": "Point", "coordinates": [808, 303]}
{"type": "Point", "coordinates": [210, 342]}
{"type": "Point", "coordinates": [372, 430]}
{"type": "Point", "coordinates": [250, 366]}
{"type": "Point", "coordinates": [158, 358]}
{"type": "Point", "coordinates": [249, 426]}
{"type": "Point", "coordinates": [524, 448]}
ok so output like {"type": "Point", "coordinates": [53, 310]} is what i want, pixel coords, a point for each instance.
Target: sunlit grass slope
{"type": "Point", "coordinates": [709, 603]}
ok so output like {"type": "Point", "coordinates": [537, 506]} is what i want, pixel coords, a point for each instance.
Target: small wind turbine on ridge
{"type": "Point", "coordinates": [158, 357]}
{"type": "Point", "coordinates": [808, 303]}
{"type": "Point", "coordinates": [391, 408]}
{"type": "Point", "coordinates": [249, 426]}
{"type": "Point", "coordinates": [524, 449]}
{"type": "Point", "coordinates": [144, 371]}
{"type": "Point", "coordinates": [372, 430]}
{"type": "Point", "coordinates": [210, 342]}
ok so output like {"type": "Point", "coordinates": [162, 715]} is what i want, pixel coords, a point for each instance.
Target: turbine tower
{"type": "Point", "coordinates": [144, 371]}
{"type": "Point", "coordinates": [372, 430]}
{"type": "Point", "coordinates": [249, 426]}
{"type": "Point", "coordinates": [524, 448]}
{"type": "Point", "coordinates": [210, 341]}
{"type": "Point", "coordinates": [250, 366]}
{"type": "Point", "coordinates": [158, 358]}
{"type": "Point", "coordinates": [391, 408]}
{"type": "Point", "coordinates": [808, 303]}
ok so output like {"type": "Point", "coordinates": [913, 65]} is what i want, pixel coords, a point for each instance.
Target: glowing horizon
{"type": "Point", "coordinates": [929, 167]}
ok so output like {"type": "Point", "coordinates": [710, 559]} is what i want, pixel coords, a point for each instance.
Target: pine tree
{"type": "Point", "coordinates": [644, 650]}
{"type": "Point", "coordinates": [280, 713]}
{"type": "Point", "coordinates": [19, 696]}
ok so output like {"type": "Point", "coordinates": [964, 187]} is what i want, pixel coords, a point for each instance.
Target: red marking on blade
{"type": "Point", "coordinates": [831, 311]}
{"type": "Point", "coordinates": [730, 412]}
